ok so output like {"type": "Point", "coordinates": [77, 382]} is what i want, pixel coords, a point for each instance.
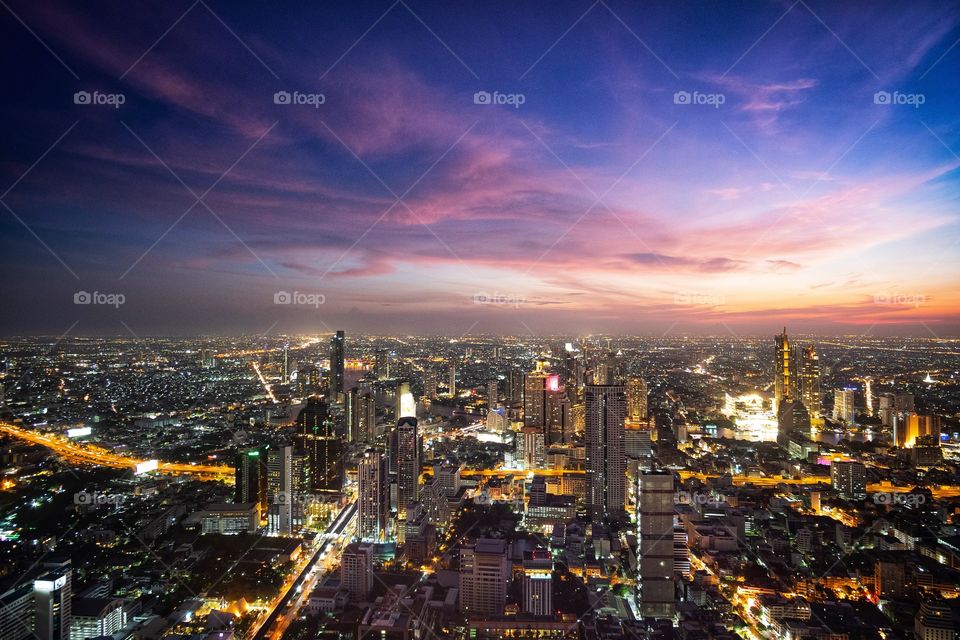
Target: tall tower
{"type": "Point", "coordinates": [373, 499]}
{"type": "Point", "coordinates": [535, 399]}
{"type": "Point", "coordinates": [452, 380]}
{"type": "Point", "coordinates": [606, 407]}
{"type": "Point", "coordinates": [810, 383]}
{"type": "Point", "coordinates": [656, 557]}
{"type": "Point", "coordinates": [538, 582]}
{"type": "Point", "coordinates": [285, 365]}
{"type": "Point", "coordinates": [336, 364]}
{"type": "Point", "coordinates": [280, 490]}
{"type": "Point", "coordinates": [251, 478]}
{"type": "Point", "coordinates": [785, 378]}
{"type": "Point", "coordinates": [53, 596]}
{"type": "Point", "coordinates": [407, 465]}
{"type": "Point", "coordinates": [637, 400]}
{"type": "Point", "coordinates": [316, 436]}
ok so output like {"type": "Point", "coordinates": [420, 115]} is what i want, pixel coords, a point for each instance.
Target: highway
{"type": "Point", "coordinates": [94, 455]}
{"type": "Point", "coordinates": [299, 590]}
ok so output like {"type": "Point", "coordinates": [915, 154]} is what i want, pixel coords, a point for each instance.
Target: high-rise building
{"type": "Point", "coordinates": [910, 427]}
{"type": "Point", "coordinates": [538, 582]}
{"type": "Point", "coordinates": [407, 465]}
{"type": "Point", "coordinates": [656, 557]}
{"type": "Point", "coordinates": [317, 437]}
{"type": "Point", "coordinates": [17, 611]}
{"type": "Point", "coordinates": [285, 365]}
{"type": "Point", "coordinates": [606, 407]}
{"type": "Point", "coordinates": [559, 417]}
{"type": "Point", "coordinates": [381, 367]}
{"type": "Point", "coordinates": [53, 596]}
{"type": "Point", "coordinates": [280, 490]}
{"type": "Point", "coordinates": [785, 378]}
{"type": "Point", "coordinates": [363, 416]}
{"type": "Point", "coordinates": [430, 383]}
{"type": "Point", "coordinates": [484, 574]}
{"type": "Point", "coordinates": [514, 387]}
{"type": "Point", "coordinates": [337, 360]}
{"type": "Point", "coordinates": [849, 479]}
{"type": "Point", "coordinates": [373, 497]}
{"type": "Point", "coordinates": [356, 570]}
{"type": "Point", "coordinates": [530, 447]}
{"type": "Point", "coordinates": [405, 405]}
{"type": "Point", "coordinates": [251, 478]}
{"type": "Point", "coordinates": [493, 394]}
{"type": "Point", "coordinates": [843, 405]}
{"type": "Point", "coordinates": [637, 400]}
{"type": "Point", "coordinates": [809, 383]}
{"type": "Point", "coordinates": [97, 617]}
{"type": "Point", "coordinates": [535, 399]}
{"type": "Point", "coordinates": [452, 379]}
{"type": "Point", "coordinates": [792, 419]}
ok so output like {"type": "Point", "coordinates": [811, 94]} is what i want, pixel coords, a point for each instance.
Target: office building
{"type": "Point", "coordinates": [535, 399]}
{"type": "Point", "coordinates": [849, 479]}
{"type": "Point", "coordinates": [530, 447]}
{"type": "Point", "coordinates": [606, 408]}
{"type": "Point", "coordinates": [280, 491]}
{"type": "Point", "coordinates": [538, 582]}
{"type": "Point", "coordinates": [785, 380]}
{"type": "Point", "coordinates": [317, 437]}
{"type": "Point", "coordinates": [337, 361]}
{"type": "Point", "coordinates": [484, 574]}
{"type": "Point", "coordinates": [97, 617]}
{"type": "Point", "coordinates": [843, 405]}
{"type": "Point", "coordinates": [251, 478]}
{"type": "Point", "coordinates": [405, 405]}
{"type": "Point", "coordinates": [373, 496]}
{"type": "Point", "coordinates": [452, 379]}
{"type": "Point", "coordinates": [655, 579]}
{"type": "Point", "coordinates": [356, 570]}
{"type": "Point", "coordinates": [407, 465]}
{"type": "Point", "coordinates": [637, 400]}
{"type": "Point", "coordinates": [53, 597]}
{"type": "Point", "coordinates": [809, 383]}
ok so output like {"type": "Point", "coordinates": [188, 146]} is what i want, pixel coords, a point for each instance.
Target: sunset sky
{"type": "Point", "coordinates": [599, 204]}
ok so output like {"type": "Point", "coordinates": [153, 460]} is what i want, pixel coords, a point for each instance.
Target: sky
{"type": "Point", "coordinates": [210, 167]}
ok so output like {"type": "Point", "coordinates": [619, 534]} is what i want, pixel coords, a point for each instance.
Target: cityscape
{"type": "Point", "coordinates": [419, 320]}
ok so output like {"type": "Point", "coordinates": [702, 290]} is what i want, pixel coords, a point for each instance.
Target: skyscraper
{"type": "Point", "coordinates": [363, 416]}
{"type": "Point", "coordinates": [317, 437]}
{"type": "Point", "coordinates": [849, 479]}
{"type": "Point", "coordinates": [251, 478]}
{"type": "Point", "coordinates": [656, 557]}
{"type": "Point", "coordinates": [606, 460]}
{"type": "Point", "coordinates": [452, 379]}
{"type": "Point", "coordinates": [484, 574]}
{"type": "Point", "coordinates": [535, 399]}
{"type": "Point", "coordinates": [530, 447]}
{"type": "Point", "coordinates": [53, 596]}
{"type": "Point", "coordinates": [373, 499]}
{"type": "Point", "coordinates": [493, 394]}
{"type": "Point", "coordinates": [810, 383]}
{"type": "Point", "coordinates": [538, 582]}
{"type": "Point", "coordinates": [405, 405]}
{"type": "Point", "coordinates": [843, 405]}
{"type": "Point", "coordinates": [637, 400]}
{"type": "Point", "coordinates": [336, 364]}
{"type": "Point", "coordinates": [784, 381]}
{"type": "Point", "coordinates": [280, 490]}
{"type": "Point", "coordinates": [407, 465]}
{"type": "Point", "coordinates": [356, 570]}
{"type": "Point", "coordinates": [285, 365]}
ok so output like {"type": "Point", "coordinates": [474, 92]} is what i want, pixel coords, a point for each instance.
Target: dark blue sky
{"type": "Point", "coordinates": [650, 167]}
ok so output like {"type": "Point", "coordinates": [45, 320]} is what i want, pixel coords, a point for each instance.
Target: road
{"type": "Point", "coordinates": [299, 590]}
{"type": "Point", "coordinates": [91, 454]}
